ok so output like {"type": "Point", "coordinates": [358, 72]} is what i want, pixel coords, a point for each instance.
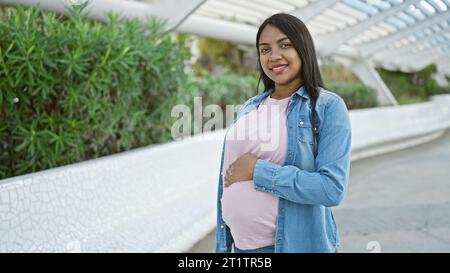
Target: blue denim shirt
{"type": "Point", "coordinates": [307, 186]}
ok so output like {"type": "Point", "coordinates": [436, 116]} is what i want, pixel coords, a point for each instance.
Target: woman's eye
{"type": "Point", "coordinates": [285, 45]}
{"type": "Point", "coordinates": [264, 50]}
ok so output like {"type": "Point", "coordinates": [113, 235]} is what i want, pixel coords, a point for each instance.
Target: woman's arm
{"type": "Point", "coordinates": [327, 185]}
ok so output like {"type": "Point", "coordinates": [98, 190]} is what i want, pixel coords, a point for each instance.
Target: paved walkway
{"type": "Point", "coordinates": [397, 202]}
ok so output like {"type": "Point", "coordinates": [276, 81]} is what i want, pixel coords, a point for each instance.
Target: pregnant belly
{"type": "Point", "coordinates": [245, 209]}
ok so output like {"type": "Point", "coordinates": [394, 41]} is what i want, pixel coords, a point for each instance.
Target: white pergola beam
{"type": "Point", "coordinates": [422, 59]}
{"type": "Point", "coordinates": [433, 58]}
{"type": "Point", "coordinates": [219, 29]}
{"type": "Point", "coordinates": [313, 9]}
{"type": "Point", "coordinates": [369, 76]}
{"type": "Point", "coordinates": [172, 11]}
{"type": "Point", "coordinates": [389, 54]}
{"type": "Point", "coordinates": [368, 49]}
{"type": "Point", "coordinates": [329, 43]}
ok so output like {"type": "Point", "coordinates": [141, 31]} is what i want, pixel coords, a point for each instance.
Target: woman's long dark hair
{"type": "Point", "coordinates": [298, 34]}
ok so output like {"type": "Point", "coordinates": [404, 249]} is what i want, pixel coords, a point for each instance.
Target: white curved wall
{"type": "Point", "coordinates": [162, 198]}
{"type": "Point", "coordinates": [382, 129]}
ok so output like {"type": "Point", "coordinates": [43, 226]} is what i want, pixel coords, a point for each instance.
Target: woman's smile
{"type": "Point", "coordinates": [279, 68]}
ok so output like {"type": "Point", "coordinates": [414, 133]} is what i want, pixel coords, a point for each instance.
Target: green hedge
{"type": "Point", "coordinates": [224, 89]}
{"type": "Point", "coordinates": [220, 89]}
{"type": "Point", "coordinates": [355, 95]}
{"type": "Point", "coordinates": [413, 87]}
{"type": "Point", "coordinates": [73, 89]}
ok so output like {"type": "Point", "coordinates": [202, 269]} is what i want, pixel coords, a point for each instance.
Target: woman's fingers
{"type": "Point", "coordinates": [228, 177]}
{"type": "Point", "coordinates": [240, 170]}
{"type": "Point", "coordinates": [225, 182]}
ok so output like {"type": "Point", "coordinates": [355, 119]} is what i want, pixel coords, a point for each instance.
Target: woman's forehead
{"type": "Point", "coordinates": [271, 34]}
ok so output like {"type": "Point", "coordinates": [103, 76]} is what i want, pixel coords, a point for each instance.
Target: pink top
{"type": "Point", "coordinates": [250, 214]}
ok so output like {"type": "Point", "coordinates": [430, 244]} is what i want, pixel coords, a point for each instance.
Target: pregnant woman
{"type": "Point", "coordinates": [286, 159]}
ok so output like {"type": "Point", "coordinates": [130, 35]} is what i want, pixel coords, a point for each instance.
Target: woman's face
{"type": "Point", "coordinates": [278, 58]}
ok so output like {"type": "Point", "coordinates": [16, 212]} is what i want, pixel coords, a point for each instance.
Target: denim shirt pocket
{"type": "Point", "coordinates": [305, 144]}
{"type": "Point", "coordinates": [304, 130]}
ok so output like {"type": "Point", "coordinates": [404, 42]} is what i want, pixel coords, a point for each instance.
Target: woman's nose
{"type": "Point", "coordinates": [274, 57]}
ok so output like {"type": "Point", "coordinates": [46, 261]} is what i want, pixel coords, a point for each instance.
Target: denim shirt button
{"type": "Point", "coordinates": [221, 226]}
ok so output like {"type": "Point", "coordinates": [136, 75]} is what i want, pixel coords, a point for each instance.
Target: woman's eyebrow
{"type": "Point", "coordinates": [285, 38]}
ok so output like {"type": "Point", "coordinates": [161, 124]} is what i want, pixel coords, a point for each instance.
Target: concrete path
{"type": "Point", "coordinates": [397, 202]}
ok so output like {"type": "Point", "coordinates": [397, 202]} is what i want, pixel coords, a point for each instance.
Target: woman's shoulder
{"type": "Point", "coordinates": [328, 95]}
{"type": "Point", "coordinates": [328, 98]}
{"type": "Point", "coordinates": [257, 97]}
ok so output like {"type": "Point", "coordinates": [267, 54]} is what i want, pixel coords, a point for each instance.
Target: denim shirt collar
{"type": "Point", "coordinates": [301, 91]}
{"type": "Point", "coordinates": [256, 101]}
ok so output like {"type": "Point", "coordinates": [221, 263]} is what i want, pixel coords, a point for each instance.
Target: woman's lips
{"type": "Point", "coordinates": [279, 69]}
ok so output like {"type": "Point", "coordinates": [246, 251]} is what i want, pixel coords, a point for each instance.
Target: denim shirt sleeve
{"type": "Point", "coordinates": [328, 184]}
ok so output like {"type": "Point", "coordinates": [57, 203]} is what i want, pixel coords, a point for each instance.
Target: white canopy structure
{"type": "Point", "coordinates": [403, 35]}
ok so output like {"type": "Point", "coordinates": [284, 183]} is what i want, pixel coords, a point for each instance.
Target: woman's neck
{"type": "Point", "coordinates": [284, 91]}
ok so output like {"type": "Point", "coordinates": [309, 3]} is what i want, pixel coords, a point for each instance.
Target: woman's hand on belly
{"type": "Point", "coordinates": [241, 169]}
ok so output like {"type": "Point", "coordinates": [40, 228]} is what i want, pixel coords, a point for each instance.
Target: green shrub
{"type": "Point", "coordinates": [222, 55]}
{"type": "Point", "coordinates": [443, 90]}
{"type": "Point", "coordinates": [73, 89]}
{"type": "Point", "coordinates": [335, 72]}
{"type": "Point", "coordinates": [222, 90]}
{"type": "Point", "coordinates": [344, 82]}
{"type": "Point", "coordinates": [412, 87]}
{"type": "Point", "coordinates": [355, 95]}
